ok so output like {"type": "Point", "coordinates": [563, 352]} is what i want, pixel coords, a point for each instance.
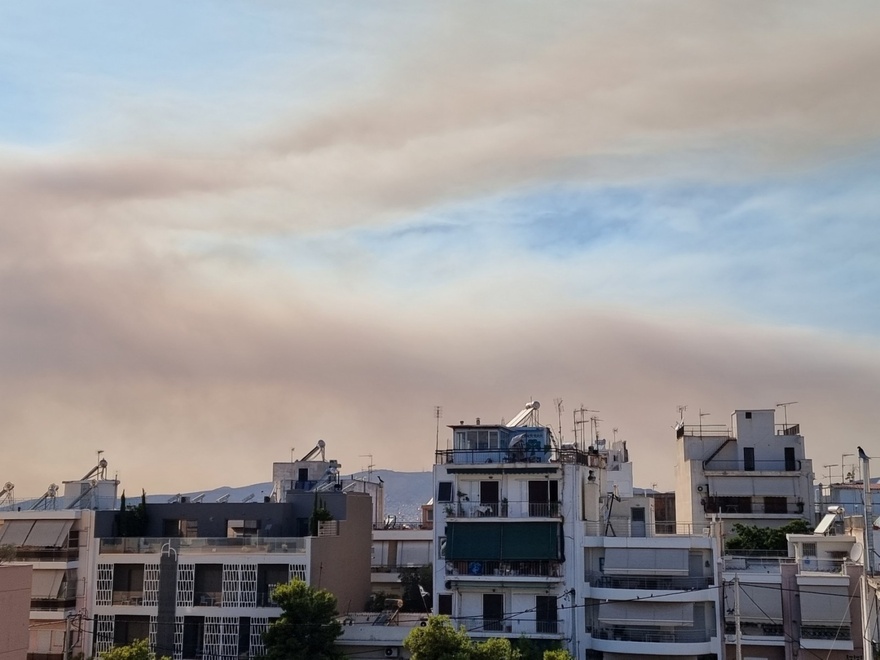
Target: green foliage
{"type": "Point", "coordinates": [319, 514]}
{"type": "Point", "coordinates": [535, 649]}
{"type": "Point", "coordinates": [137, 650]}
{"type": "Point", "coordinates": [497, 648]}
{"type": "Point", "coordinates": [308, 627]}
{"type": "Point", "coordinates": [376, 603]}
{"type": "Point", "coordinates": [132, 520]}
{"type": "Point", "coordinates": [764, 539]}
{"type": "Point", "coordinates": [440, 640]}
{"type": "Point", "coordinates": [7, 553]}
{"type": "Point", "coordinates": [558, 654]}
{"type": "Point", "coordinates": [411, 579]}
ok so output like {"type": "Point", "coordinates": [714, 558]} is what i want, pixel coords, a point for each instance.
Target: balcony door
{"type": "Point", "coordinates": [493, 611]}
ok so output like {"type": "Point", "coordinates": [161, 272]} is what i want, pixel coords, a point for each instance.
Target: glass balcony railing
{"type": "Point", "coordinates": [660, 582]}
{"type": "Point", "coordinates": [652, 634]}
{"type": "Point", "coordinates": [202, 545]}
{"type": "Point", "coordinates": [481, 568]}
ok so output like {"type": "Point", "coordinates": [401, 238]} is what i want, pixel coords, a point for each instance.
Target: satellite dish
{"type": "Point", "coordinates": [855, 552]}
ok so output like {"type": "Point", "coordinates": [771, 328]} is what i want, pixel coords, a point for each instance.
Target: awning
{"type": "Point", "coordinates": [650, 614]}
{"type": "Point", "coordinates": [46, 583]}
{"type": "Point", "coordinates": [503, 541]}
{"type": "Point", "coordinates": [758, 603]}
{"type": "Point", "coordinates": [646, 561]}
{"type": "Point", "coordinates": [49, 534]}
{"type": "Point", "coordinates": [14, 532]}
{"type": "Point", "coordinates": [827, 605]}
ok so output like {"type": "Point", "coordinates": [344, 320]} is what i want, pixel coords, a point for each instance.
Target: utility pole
{"type": "Point", "coordinates": [68, 620]}
{"type": "Point", "coordinates": [736, 621]}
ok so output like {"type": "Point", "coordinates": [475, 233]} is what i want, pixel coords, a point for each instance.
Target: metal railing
{"type": "Point", "coordinates": [512, 626]}
{"type": "Point", "coordinates": [774, 564]}
{"type": "Point", "coordinates": [589, 458]}
{"type": "Point", "coordinates": [46, 554]}
{"type": "Point", "coordinates": [128, 597]}
{"type": "Point", "coordinates": [517, 509]}
{"type": "Point", "coordinates": [739, 465]}
{"type": "Point", "coordinates": [478, 568]}
{"type": "Point", "coordinates": [292, 545]}
{"type": "Point", "coordinates": [624, 527]}
{"type": "Point", "coordinates": [666, 583]}
{"type": "Point", "coordinates": [652, 634]}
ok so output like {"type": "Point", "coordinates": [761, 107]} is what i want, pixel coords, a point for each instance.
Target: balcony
{"type": "Point", "coordinates": [53, 604]}
{"type": "Point", "coordinates": [464, 509]}
{"type": "Point", "coordinates": [200, 546]}
{"type": "Point", "coordinates": [135, 598]}
{"type": "Point", "coordinates": [659, 582]}
{"type": "Point", "coordinates": [757, 467]}
{"type": "Point", "coordinates": [546, 454]}
{"type": "Point", "coordinates": [511, 626]}
{"type": "Point", "coordinates": [512, 569]}
{"type": "Point", "coordinates": [652, 634]}
{"type": "Point", "coordinates": [26, 554]}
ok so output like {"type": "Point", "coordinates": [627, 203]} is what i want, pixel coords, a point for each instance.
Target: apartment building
{"type": "Point", "coordinates": [542, 539]}
{"type": "Point", "coordinates": [198, 582]}
{"type": "Point", "coordinates": [753, 472]}
{"type": "Point", "coordinates": [808, 603]}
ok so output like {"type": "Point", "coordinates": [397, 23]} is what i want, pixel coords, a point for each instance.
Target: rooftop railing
{"type": "Point", "coordinates": [292, 545]}
{"type": "Point", "coordinates": [716, 465]}
{"type": "Point", "coordinates": [516, 509]}
{"type": "Point", "coordinates": [492, 568]}
{"type": "Point", "coordinates": [774, 564]}
{"type": "Point", "coordinates": [589, 458]}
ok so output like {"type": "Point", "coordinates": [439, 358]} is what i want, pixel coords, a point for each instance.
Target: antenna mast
{"type": "Point", "coordinates": [558, 403]}
{"type": "Point", "coordinates": [438, 413]}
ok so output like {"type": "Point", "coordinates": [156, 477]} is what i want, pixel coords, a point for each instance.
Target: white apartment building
{"type": "Point", "coordinates": [754, 472]}
{"type": "Point", "coordinates": [808, 604]}
{"type": "Point", "coordinates": [536, 539]}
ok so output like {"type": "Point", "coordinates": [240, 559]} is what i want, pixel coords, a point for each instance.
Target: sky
{"type": "Point", "coordinates": [230, 230]}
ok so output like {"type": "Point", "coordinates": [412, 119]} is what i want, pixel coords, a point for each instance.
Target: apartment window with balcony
{"type": "Point", "coordinates": [544, 498]}
{"type": "Point", "coordinates": [545, 614]}
{"type": "Point", "coordinates": [493, 611]}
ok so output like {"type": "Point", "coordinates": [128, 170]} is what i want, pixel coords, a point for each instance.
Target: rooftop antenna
{"type": "Point", "coordinates": [594, 422]}
{"type": "Point", "coordinates": [681, 410]}
{"type": "Point", "coordinates": [580, 418]}
{"type": "Point", "coordinates": [369, 467]}
{"type": "Point", "coordinates": [558, 403]}
{"type": "Point", "coordinates": [784, 407]}
{"type": "Point", "coordinates": [829, 473]}
{"type": "Point", "coordinates": [438, 413]}
{"type": "Point", "coordinates": [702, 414]}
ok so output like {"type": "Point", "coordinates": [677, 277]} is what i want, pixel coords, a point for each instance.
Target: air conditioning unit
{"type": "Point", "coordinates": [392, 652]}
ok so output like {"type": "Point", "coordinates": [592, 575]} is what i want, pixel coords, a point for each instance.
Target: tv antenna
{"type": "Point", "coordinates": [438, 413]}
{"type": "Point", "coordinates": [681, 410]}
{"type": "Point", "coordinates": [558, 404]}
{"type": "Point", "coordinates": [369, 466]}
{"type": "Point", "coordinates": [784, 407]}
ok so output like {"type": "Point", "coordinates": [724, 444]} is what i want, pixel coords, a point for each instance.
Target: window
{"type": "Point", "coordinates": [444, 491]}
{"type": "Point", "coordinates": [790, 463]}
{"type": "Point", "coordinates": [748, 415]}
{"type": "Point", "coordinates": [809, 549]}
{"type": "Point", "coordinates": [493, 611]}
{"type": "Point", "coordinates": [545, 614]}
{"type": "Point", "coordinates": [749, 459]}
{"type": "Point", "coordinates": [775, 505]}
{"type": "Point", "coordinates": [444, 604]}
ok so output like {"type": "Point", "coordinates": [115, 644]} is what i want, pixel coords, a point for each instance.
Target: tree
{"type": "Point", "coordinates": [7, 553]}
{"type": "Point", "coordinates": [497, 648]}
{"type": "Point", "coordinates": [308, 627]}
{"type": "Point", "coordinates": [558, 654]}
{"type": "Point", "coordinates": [439, 640]}
{"type": "Point", "coordinates": [132, 519]}
{"type": "Point", "coordinates": [137, 650]}
{"type": "Point", "coordinates": [764, 539]}
{"type": "Point", "coordinates": [319, 514]}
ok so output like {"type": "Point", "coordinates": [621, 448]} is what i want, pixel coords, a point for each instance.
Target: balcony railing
{"type": "Point", "coordinates": [46, 554]}
{"type": "Point", "coordinates": [825, 632]}
{"type": "Point", "coordinates": [667, 583]}
{"type": "Point", "coordinates": [773, 564]}
{"type": "Point", "coordinates": [208, 598]}
{"type": "Point", "coordinates": [295, 545]}
{"type": "Point", "coordinates": [517, 509]}
{"type": "Point", "coordinates": [589, 458]}
{"type": "Point", "coordinates": [53, 604]}
{"type": "Point", "coordinates": [754, 629]}
{"type": "Point", "coordinates": [620, 527]}
{"type": "Point", "coordinates": [466, 568]}
{"type": "Point", "coordinates": [652, 634]}
{"type": "Point", "coordinates": [716, 465]}
{"type": "Point", "coordinates": [512, 626]}
{"type": "Point", "coordinates": [128, 597]}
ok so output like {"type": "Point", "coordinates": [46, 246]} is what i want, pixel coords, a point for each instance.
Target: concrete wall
{"type": "Point", "coordinates": [15, 605]}
{"type": "Point", "coordinates": [341, 564]}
